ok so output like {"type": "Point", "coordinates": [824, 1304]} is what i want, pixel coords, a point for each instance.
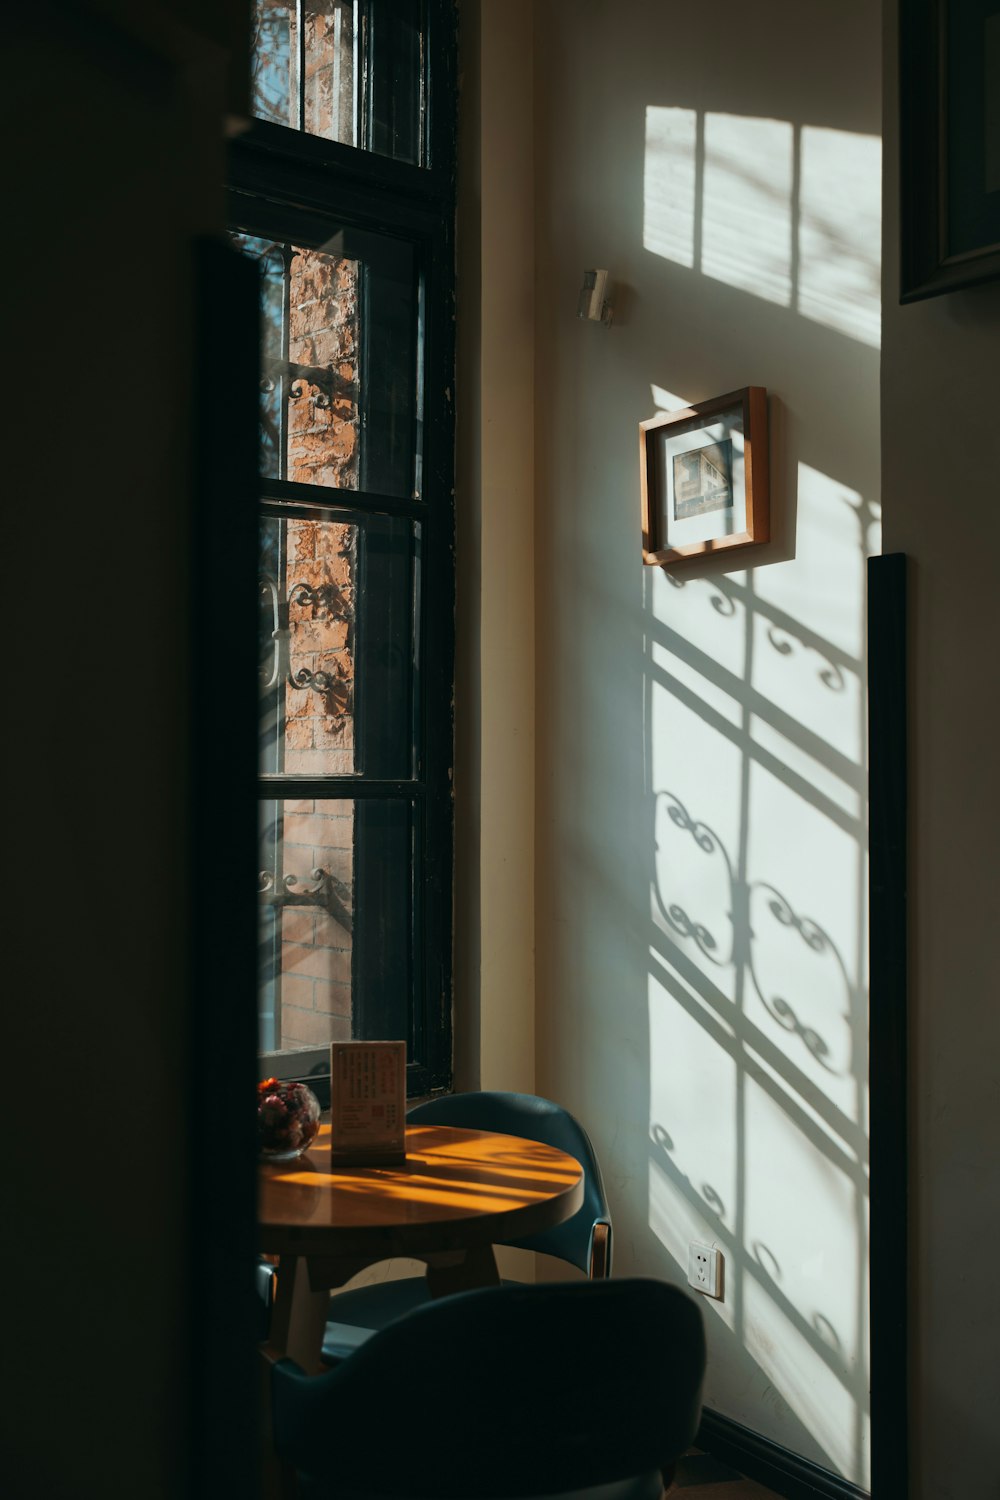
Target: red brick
{"type": "Point", "coordinates": [299, 734]}
{"type": "Point", "coordinates": [334, 439]}
{"type": "Point", "coordinates": [301, 542]}
{"type": "Point", "coordinates": [298, 924]}
{"type": "Point", "coordinates": [329, 933]}
{"type": "Point", "coordinates": [313, 278]}
{"type": "Point", "coordinates": [318, 635]}
{"type": "Point", "coordinates": [330, 476]}
{"type": "Point", "coordinates": [322, 763]}
{"type": "Point", "coordinates": [300, 762]}
{"type": "Point", "coordinates": [332, 733]}
{"type": "Point", "coordinates": [318, 963]}
{"type": "Point", "coordinates": [297, 990]}
{"type": "Point", "coordinates": [339, 862]}
{"type": "Point", "coordinates": [334, 999]}
{"type": "Point", "coordinates": [327, 347]}
{"type": "Point", "coordinates": [336, 540]}
{"type": "Point", "coordinates": [293, 1023]}
{"type": "Point", "coordinates": [297, 706]}
{"type": "Point", "coordinates": [305, 318]}
{"type": "Point", "coordinates": [313, 1028]}
{"type": "Point", "coordinates": [326, 571]}
{"type": "Point", "coordinates": [312, 829]}
{"type": "Point", "coordinates": [338, 832]}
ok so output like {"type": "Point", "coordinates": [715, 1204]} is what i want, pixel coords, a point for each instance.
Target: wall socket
{"type": "Point", "coordinates": [705, 1269]}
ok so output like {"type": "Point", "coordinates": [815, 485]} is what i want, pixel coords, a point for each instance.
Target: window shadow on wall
{"type": "Point", "coordinates": [755, 780]}
{"type": "Point", "coordinates": [757, 978]}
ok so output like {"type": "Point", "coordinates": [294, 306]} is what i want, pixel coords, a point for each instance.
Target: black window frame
{"type": "Point", "coordinates": [285, 185]}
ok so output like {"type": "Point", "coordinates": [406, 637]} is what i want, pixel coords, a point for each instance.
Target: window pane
{"type": "Point", "coordinates": [338, 601]}
{"type": "Point", "coordinates": [307, 591]}
{"type": "Point", "coordinates": [355, 74]}
{"type": "Point", "coordinates": [396, 75]}
{"type": "Point", "coordinates": [330, 93]}
{"type": "Point", "coordinates": [321, 980]}
{"type": "Point", "coordinates": [339, 391]}
{"type": "Point", "coordinates": [274, 63]}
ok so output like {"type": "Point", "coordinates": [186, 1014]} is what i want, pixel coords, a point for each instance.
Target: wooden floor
{"type": "Point", "coordinates": [702, 1477]}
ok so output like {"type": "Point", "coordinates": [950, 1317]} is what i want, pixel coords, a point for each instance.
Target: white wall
{"type": "Point", "coordinates": [700, 808]}
{"type": "Point", "coordinates": [941, 397]}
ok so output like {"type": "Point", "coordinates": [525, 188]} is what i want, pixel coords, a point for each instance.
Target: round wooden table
{"type": "Point", "coordinates": [458, 1193]}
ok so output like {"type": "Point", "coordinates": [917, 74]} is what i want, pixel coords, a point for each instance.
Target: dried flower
{"type": "Point", "coordinates": [287, 1117]}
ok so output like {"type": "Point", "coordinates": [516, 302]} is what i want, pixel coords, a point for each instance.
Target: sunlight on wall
{"type": "Point", "coordinates": [757, 977]}
{"type": "Point", "coordinates": [812, 1278]}
{"type": "Point", "coordinates": [669, 184]}
{"type": "Point", "coordinates": [666, 400]}
{"type": "Point", "coordinates": [789, 213]}
{"type": "Point", "coordinates": [812, 1391]}
{"type": "Point", "coordinates": [746, 206]}
{"type": "Point", "coordinates": [694, 1201]}
{"type": "Point", "coordinates": [840, 232]}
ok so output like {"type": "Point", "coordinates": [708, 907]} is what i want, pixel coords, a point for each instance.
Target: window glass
{"type": "Point", "coordinates": [345, 70]}
{"type": "Point", "coordinates": [337, 650]}
{"type": "Point", "coordinates": [355, 568]}
{"type": "Point", "coordinates": [339, 385]}
{"type": "Point", "coordinates": [316, 983]}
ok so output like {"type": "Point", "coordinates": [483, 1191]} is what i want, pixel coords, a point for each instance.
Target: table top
{"type": "Point", "coordinates": [457, 1188]}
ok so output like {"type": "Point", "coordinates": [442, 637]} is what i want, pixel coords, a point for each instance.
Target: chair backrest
{"type": "Point", "coordinates": [536, 1119]}
{"type": "Point", "coordinates": [264, 1285]}
{"type": "Point", "coordinates": [505, 1392]}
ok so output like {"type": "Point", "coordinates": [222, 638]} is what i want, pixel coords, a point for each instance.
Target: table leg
{"type": "Point", "coordinates": [461, 1271]}
{"type": "Point", "coordinates": [299, 1315]}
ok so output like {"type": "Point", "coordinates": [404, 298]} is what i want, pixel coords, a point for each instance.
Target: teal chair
{"type": "Point", "coordinates": [583, 1241]}
{"type": "Point", "coordinates": [567, 1390]}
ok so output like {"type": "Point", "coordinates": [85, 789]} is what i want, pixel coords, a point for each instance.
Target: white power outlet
{"type": "Point", "coordinates": [705, 1269]}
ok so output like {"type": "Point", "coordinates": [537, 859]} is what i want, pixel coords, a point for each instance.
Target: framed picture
{"type": "Point", "coordinates": [704, 478]}
{"type": "Point", "coordinates": [949, 130]}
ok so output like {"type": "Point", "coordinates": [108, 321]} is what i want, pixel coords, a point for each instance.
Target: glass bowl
{"type": "Point", "coordinates": [287, 1119]}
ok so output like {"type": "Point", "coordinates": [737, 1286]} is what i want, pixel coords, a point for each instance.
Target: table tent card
{"type": "Point", "coordinates": [367, 1104]}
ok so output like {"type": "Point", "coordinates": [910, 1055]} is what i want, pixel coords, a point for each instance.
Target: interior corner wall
{"type": "Point", "coordinates": [495, 780]}
{"type": "Point", "coordinates": [701, 809]}
{"type": "Point", "coordinates": [940, 397]}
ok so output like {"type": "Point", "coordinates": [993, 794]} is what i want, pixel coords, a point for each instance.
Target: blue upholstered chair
{"type": "Point", "coordinates": [578, 1390]}
{"type": "Point", "coordinates": [583, 1241]}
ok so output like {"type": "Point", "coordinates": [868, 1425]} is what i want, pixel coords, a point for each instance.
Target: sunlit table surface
{"type": "Point", "coordinates": [458, 1193]}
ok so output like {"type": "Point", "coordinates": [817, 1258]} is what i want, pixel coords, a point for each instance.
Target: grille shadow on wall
{"type": "Point", "coordinates": [757, 988]}
{"type": "Point", "coordinates": [755, 743]}
{"type": "Point", "coordinates": [787, 212]}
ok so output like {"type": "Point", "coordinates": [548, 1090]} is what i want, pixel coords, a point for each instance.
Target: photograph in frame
{"type": "Point", "coordinates": [704, 477]}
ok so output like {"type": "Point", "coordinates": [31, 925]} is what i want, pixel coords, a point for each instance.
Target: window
{"type": "Point", "coordinates": [342, 193]}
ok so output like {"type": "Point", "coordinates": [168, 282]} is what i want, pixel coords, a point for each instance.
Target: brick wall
{"type": "Point", "coordinates": [319, 724]}
{"type": "Point", "coordinates": [323, 331]}
{"type": "Point", "coordinates": [315, 947]}
{"type": "Point", "coordinates": [320, 584]}
{"type": "Point", "coordinates": [330, 73]}
{"type": "Point", "coordinates": [329, 88]}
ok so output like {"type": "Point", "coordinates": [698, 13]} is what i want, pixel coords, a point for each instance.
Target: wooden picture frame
{"type": "Point", "coordinates": [704, 475]}
{"type": "Point", "coordinates": [949, 146]}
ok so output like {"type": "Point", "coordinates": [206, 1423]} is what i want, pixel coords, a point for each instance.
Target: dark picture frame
{"type": "Point", "coordinates": [704, 476]}
{"type": "Point", "coordinates": [949, 116]}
